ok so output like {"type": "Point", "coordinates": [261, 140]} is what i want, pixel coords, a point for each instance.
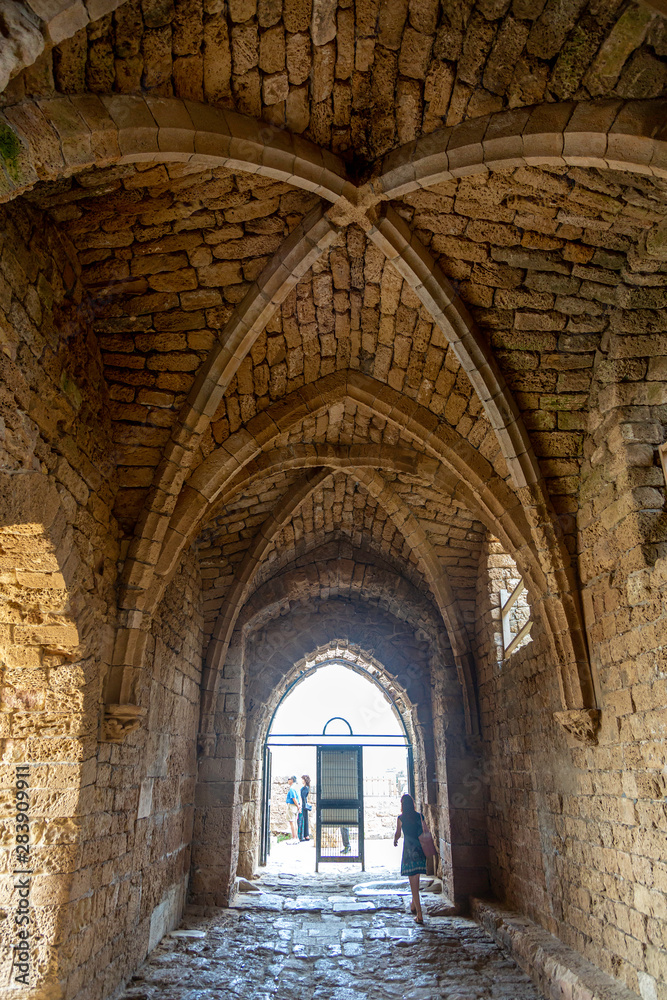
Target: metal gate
{"type": "Point", "coordinates": [265, 839]}
{"type": "Point", "coordinates": [340, 805]}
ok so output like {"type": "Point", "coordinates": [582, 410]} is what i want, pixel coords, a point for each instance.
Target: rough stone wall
{"type": "Point", "coordinates": [218, 808]}
{"type": "Point", "coordinates": [516, 698]}
{"type": "Point", "coordinates": [623, 530]}
{"type": "Point", "coordinates": [138, 831]}
{"type": "Point", "coordinates": [574, 831]}
{"type": "Point", "coordinates": [111, 827]}
{"type": "Point", "coordinates": [457, 818]}
{"type": "Point", "coordinates": [58, 551]}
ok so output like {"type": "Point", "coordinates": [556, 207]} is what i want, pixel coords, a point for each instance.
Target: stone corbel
{"type": "Point", "coordinates": [582, 723]}
{"type": "Point", "coordinates": [120, 721]}
{"type": "Point", "coordinates": [122, 715]}
{"type": "Point", "coordinates": [206, 745]}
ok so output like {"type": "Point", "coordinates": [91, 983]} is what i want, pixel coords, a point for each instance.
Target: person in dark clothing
{"type": "Point", "coordinates": [304, 832]}
{"type": "Point", "coordinates": [413, 861]}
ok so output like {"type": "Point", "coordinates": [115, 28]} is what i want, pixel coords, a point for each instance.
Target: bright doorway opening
{"type": "Point", "coordinates": [319, 710]}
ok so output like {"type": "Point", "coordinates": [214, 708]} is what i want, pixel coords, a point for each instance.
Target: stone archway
{"type": "Point", "coordinates": [541, 543]}
{"type": "Point", "coordinates": [271, 642]}
{"type": "Point", "coordinates": [620, 135]}
{"type": "Point", "coordinates": [388, 696]}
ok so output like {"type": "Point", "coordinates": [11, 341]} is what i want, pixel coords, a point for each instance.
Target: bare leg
{"type": "Point", "coordinates": [416, 901]}
{"type": "Point", "coordinates": [293, 828]}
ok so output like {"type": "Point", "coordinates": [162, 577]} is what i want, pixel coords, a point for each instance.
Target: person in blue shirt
{"type": "Point", "coordinates": [293, 807]}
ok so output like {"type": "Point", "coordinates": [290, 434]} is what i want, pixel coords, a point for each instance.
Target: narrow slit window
{"type": "Point", "coordinates": [515, 618]}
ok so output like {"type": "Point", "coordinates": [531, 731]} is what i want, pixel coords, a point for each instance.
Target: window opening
{"type": "Point", "coordinates": [508, 614]}
{"type": "Point", "coordinates": [515, 618]}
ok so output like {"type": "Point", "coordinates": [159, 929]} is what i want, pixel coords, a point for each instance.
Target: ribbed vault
{"type": "Point", "coordinates": [320, 315]}
{"type": "Point", "coordinates": [226, 293]}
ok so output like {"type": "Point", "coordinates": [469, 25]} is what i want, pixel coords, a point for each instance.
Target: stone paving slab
{"type": "Point", "coordinates": [304, 904]}
{"type": "Point", "coordinates": [260, 901]}
{"type": "Point", "coordinates": [291, 941]}
{"type": "Point", "coordinates": [353, 907]}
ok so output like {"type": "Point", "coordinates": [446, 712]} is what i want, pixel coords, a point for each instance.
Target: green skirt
{"type": "Point", "coordinates": [413, 861]}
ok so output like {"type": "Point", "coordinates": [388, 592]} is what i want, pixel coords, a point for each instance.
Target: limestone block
{"type": "Point", "coordinates": [23, 43]}
{"type": "Point", "coordinates": [145, 798]}
{"type": "Point", "coordinates": [67, 22]}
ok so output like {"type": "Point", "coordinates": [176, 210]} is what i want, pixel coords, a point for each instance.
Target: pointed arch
{"type": "Point", "coordinates": [386, 586]}
{"type": "Point", "coordinates": [497, 506]}
{"type": "Point", "coordinates": [262, 670]}
{"type": "Point", "coordinates": [610, 134]}
{"type": "Point", "coordinates": [289, 637]}
{"type": "Point", "coordinates": [341, 654]}
{"type": "Point", "coordinates": [492, 507]}
{"type": "Point", "coordinates": [362, 661]}
{"type": "Point", "coordinates": [207, 482]}
{"type": "Point", "coordinates": [416, 538]}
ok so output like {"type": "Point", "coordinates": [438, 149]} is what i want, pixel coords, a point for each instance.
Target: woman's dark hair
{"type": "Point", "coordinates": [306, 778]}
{"type": "Point", "coordinates": [408, 806]}
{"type": "Point", "coordinates": [409, 815]}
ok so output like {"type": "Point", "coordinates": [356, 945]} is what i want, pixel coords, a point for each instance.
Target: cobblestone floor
{"type": "Point", "coordinates": [311, 937]}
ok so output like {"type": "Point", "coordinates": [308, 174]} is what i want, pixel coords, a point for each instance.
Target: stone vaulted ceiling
{"type": "Point", "coordinates": [358, 78]}
{"type": "Point", "coordinates": [322, 324]}
{"type": "Point", "coordinates": [388, 379]}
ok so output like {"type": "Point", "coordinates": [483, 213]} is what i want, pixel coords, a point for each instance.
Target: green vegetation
{"type": "Point", "coordinates": [10, 147]}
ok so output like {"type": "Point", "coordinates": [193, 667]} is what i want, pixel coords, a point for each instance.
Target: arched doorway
{"type": "Point", "coordinates": [276, 638]}
{"type": "Point", "coordinates": [338, 705]}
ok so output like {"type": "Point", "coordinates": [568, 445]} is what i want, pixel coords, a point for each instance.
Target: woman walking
{"type": "Point", "coordinates": [413, 861]}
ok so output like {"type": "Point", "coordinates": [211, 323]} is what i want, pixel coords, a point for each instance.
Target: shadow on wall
{"type": "Point", "coordinates": [49, 731]}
